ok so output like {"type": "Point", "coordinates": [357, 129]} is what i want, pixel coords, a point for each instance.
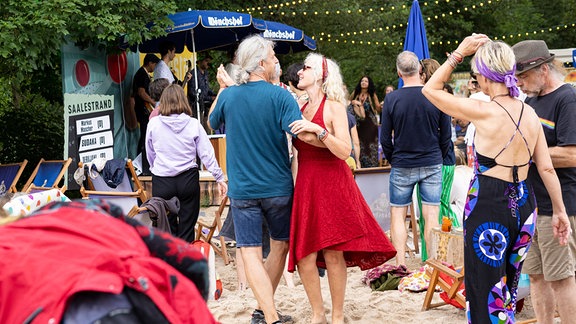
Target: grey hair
{"type": "Point", "coordinates": [251, 51]}
{"type": "Point", "coordinates": [407, 63]}
{"type": "Point", "coordinates": [333, 86]}
{"type": "Point", "coordinates": [556, 69]}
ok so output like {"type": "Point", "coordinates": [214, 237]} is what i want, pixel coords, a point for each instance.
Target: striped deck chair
{"type": "Point", "coordinates": [9, 175]}
{"type": "Point", "coordinates": [47, 175]}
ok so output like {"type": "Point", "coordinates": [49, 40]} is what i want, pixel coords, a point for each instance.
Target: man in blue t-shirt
{"type": "Point", "coordinates": [415, 138]}
{"type": "Point", "coordinates": [257, 115]}
{"type": "Point", "coordinates": [550, 265]}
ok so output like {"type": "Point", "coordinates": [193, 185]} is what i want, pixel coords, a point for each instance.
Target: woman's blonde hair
{"type": "Point", "coordinates": [329, 74]}
{"type": "Point", "coordinates": [496, 55]}
{"type": "Point", "coordinates": [174, 101]}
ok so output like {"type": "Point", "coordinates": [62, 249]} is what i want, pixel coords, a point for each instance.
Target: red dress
{"type": "Point", "coordinates": [329, 211]}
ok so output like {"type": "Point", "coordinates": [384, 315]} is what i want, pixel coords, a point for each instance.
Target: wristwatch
{"type": "Point", "coordinates": [322, 134]}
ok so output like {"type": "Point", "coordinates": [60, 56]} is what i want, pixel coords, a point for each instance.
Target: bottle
{"type": "Point", "coordinates": [446, 224]}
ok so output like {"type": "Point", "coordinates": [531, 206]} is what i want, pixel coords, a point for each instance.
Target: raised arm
{"type": "Point", "coordinates": [462, 108]}
{"type": "Point", "coordinates": [224, 80]}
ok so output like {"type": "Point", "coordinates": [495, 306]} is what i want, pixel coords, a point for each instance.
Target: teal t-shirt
{"type": "Point", "coordinates": [257, 115]}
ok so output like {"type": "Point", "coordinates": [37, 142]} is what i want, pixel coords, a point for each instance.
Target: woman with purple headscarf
{"type": "Point", "coordinates": [500, 213]}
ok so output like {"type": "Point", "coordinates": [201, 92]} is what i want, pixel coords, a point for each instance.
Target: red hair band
{"type": "Point", "coordinates": [324, 69]}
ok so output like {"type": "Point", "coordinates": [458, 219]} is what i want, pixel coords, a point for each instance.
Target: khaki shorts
{"type": "Point", "coordinates": [546, 256]}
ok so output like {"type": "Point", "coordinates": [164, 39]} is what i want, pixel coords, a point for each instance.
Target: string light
{"type": "Point", "coordinates": [292, 5]}
{"type": "Point", "coordinates": [515, 37]}
{"type": "Point", "coordinates": [436, 17]}
{"type": "Point", "coordinates": [281, 5]}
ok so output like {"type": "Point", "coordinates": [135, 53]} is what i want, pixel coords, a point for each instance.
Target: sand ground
{"type": "Point", "coordinates": [362, 305]}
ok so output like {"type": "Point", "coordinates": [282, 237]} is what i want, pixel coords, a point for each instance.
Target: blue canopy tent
{"type": "Point", "coordinates": [201, 30]}
{"type": "Point", "coordinates": [416, 40]}
{"type": "Point", "coordinates": [212, 29]}
{"type": "Point", "coordinates": [288, 39]}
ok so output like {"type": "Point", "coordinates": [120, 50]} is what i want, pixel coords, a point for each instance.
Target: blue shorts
{"type": "Point", "coordinates": [403, 180]}
{"type": "Point", "coordinates": [248, 215]}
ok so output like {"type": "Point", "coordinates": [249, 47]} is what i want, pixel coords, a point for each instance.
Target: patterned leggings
{"type": "Point", "coordinates": [499, 222]}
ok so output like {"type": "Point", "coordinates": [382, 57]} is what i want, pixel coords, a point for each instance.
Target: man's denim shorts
{"type": "Point", "coordinates": [403, 180]}
{"type": "Point", "coordinates": [248, 216]}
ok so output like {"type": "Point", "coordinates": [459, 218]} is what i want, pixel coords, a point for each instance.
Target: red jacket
{"type": "Point", "coordinates": [48, 257]}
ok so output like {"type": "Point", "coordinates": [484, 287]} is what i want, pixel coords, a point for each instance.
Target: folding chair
{"type": "Point", "coordinates": [212, 227]}
{"type": "Point", "coordinates": [451, 283]}
{"type": "Point", "coordinates": [125, 195]}
{"type": "Point", "coordinates": [413, 226]}
{"type": "Point", "coordinates": [9, 176]}
{"type": "Point", "coordinates": [47, 175]}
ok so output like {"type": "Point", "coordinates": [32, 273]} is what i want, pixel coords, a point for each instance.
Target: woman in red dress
{"type": "Point", "coordinates": [332, 227]}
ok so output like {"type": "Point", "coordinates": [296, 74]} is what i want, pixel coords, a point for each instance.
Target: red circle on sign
{"type": "Point", "coordinates": [117, 66]}
{"type": "Point", "coordinates": [82, 73]}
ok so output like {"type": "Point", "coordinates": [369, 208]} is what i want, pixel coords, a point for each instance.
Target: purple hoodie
{"type": "Point", "coordinates": [172, 143]}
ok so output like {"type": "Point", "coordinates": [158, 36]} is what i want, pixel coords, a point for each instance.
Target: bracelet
{"type": "Point", "coordinates": [461, 59]}
{"type": "Point", "coordinates": [323, 135]}
{"type": "Point", "coordinates": [455, 58]}
{"type": "Point", "coordinates": [452, 62]}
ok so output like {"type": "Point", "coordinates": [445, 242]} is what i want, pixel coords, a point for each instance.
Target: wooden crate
{"type": "Point", "coordinates": [448, 247]}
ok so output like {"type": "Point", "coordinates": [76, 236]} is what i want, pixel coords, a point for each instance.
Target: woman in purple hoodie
{"type": "Point", "coordinates": [173, 141]}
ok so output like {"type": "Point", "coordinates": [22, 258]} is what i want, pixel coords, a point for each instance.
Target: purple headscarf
{"type": "Point", "coordinates": [509, 79]}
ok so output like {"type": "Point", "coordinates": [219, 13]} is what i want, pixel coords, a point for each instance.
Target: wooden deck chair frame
{"type": "Point", "coordinates": [212, 227]}
{"type": "Point", "coordinates": [413, 225]}
{"type": "Point", "coordinates": [138, 189]}
{"type": "Point", "coordinates": [11, 187]}
{"type": "Point", "coordinates": [452, 289]}
{"type": "Point", "coordinates": [30, 186]}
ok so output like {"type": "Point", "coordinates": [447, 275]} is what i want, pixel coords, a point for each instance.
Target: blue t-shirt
{"type": "Point", "coordinates": [257, 115]}
{"type": "Point", "coordinates": [414, 132]}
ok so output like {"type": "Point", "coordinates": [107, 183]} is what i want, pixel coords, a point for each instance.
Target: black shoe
{"type": "Point", "coordinates": [258, 318]}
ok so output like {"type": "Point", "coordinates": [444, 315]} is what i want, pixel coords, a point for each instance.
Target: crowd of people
{"type": "Point", "coordinates": [294, 204]}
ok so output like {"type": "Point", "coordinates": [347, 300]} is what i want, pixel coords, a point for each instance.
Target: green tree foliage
{"type": "Point", "coordinates": [364, 38]}
{"type": "Point", "coordinates": [31, 35]}
{"type": "Point", "coordinates": [32, 131]}
{"type": "Point", "coordinates": [447, 22]}
{"type": "Point", "coordinates": [32, 31]}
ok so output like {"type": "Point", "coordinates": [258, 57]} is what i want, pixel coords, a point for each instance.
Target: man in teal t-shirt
{"type": "Point", "coordinates": [257, 115]}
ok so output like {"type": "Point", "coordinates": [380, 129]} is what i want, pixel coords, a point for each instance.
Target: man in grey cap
{"type": "Point", "coordinates": [551, 266]}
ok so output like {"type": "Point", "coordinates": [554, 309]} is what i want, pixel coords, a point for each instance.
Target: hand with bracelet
{"type": "Point", "coordinates": [467, 47]}
{"type": "Point", "coordinates": [304, 125]}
